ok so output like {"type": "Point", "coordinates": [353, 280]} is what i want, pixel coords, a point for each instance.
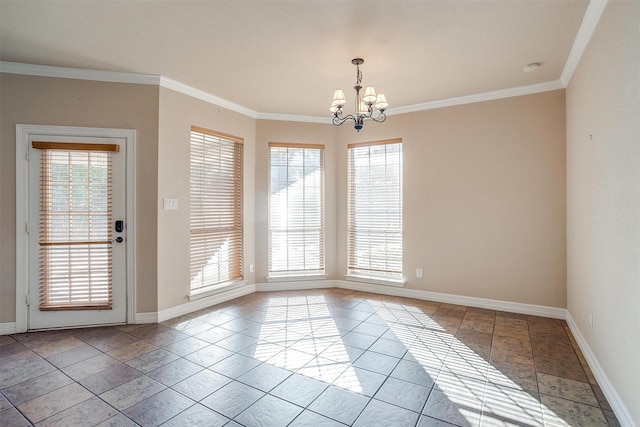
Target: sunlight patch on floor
{"type": "Point", "coordinates": [306, 329]}
{"type": "Point", "coordinates": [300, 334]}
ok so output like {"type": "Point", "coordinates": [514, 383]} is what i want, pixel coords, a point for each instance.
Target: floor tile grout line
{"type": "Point", "coordinates": [63, 373]}
{"type": "Point", "coordinates": [95, 394]}
{"type": "Point", "coordinates": [16, 408]}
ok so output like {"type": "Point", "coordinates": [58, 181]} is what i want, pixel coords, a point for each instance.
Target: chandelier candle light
{"type": "Point", "coordinates": [366, 106]}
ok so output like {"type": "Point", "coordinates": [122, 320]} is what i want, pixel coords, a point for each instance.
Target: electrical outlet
{"type": "Point", "coordinates": [418, 272]}
{"type": "Point", "coordinates": [250, 268]}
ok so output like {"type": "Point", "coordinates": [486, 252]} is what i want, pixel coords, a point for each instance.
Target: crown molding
{"type": "Point", "coordinates": [120, 77]}
{"type": "Point", "coordinates": [480, 97]}
{"type": "Point", "coordinates": [150, 79]}
{"type": "Point", "coordinates": [206, 96]}
{"type": "Point", "coordinates": [294, 118]}
{"type": "Point", "coordinates": [587, 28]}
{"type": "Point", "coordinates": [78, 73]}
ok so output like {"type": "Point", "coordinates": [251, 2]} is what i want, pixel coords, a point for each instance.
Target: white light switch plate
{"type": "Point", "coordinates": [170, 204]}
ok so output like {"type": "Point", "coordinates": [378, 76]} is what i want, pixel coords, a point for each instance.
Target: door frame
{"type": "Point", "coordinates": [23, 135]}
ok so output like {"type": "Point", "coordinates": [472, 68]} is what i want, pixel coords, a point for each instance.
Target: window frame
{"type": "Point", "coordinates": [356, 270]}
{"type": "Point", "coordinates": [304, 273]}
{"type": "Point", "coordinates": [230, 227]}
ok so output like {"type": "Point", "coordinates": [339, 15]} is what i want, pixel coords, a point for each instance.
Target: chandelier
{"type": "Point", "coordinates": [366, 106]}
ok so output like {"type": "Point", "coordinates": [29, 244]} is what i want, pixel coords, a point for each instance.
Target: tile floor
{"type": "Point", "coordinates": [317, 358]}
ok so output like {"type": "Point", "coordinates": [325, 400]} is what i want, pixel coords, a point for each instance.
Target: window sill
{"type": "Point", "coordinates": [215, 289]}
{"type": "Point", "coordinates": [271, 279]}
{"type": "Point", "coordinates": [399, 283]}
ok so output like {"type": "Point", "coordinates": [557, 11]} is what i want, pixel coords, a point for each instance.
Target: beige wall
{"type": "Point", "coordinates": [484, 186]}
{"type": "Point", "coordinates": [178, 113]}
{"type": "Point", "coordinates": [65, 102]}
{"type": "Point", "coordinates": [603, 198]}
{"type": "Point", "coordinates": [162, 120]}
{"type": "Point", "coordinates": [484, 197]}
{"type": "Point", "coordinates": [295, 132]}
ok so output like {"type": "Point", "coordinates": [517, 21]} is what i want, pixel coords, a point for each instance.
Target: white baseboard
{"type": "Point", "coordinates": [195, 305]}
{"type": "Point", "coordinates": [512, 307]}
{"type": "Point", "coordinates": [170, 313]}
{"type": "Point", "coordinates": [295, 286]}
{"type": "Point", "coordinates": [491, 304]}
{"type": "Point", "coordinates": [622, 414]}
{"type": "Point", "coordinates": [147, 317]}
{"type": "Point", "coordinates": [7, 328]}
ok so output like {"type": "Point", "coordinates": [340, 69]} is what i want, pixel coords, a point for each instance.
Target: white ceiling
{"type": "Point", "coordinates": [287, 57]}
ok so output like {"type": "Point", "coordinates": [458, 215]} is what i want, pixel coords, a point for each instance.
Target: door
{"type": "Point", "coordinates": [77, 231]}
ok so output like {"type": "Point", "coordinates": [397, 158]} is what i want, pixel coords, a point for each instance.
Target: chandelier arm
{"type": "Point", "coordinates": [338, 120]}
{"type": "Point", "coordinates": [369, 113]}
{"type": "Point", "coordinates": [381, 117]}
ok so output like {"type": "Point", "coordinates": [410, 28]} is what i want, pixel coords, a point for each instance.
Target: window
{"type": "Point", "coordinates": [375, 210]}
{"type": "Point", "coordinates": [75, 226]}
{"type": "Point", "coordinates": [296, 210]}
{"type": "Point", "coordinates": [216, 208]}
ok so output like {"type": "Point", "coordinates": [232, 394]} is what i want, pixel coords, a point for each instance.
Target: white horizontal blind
{"type": "Point", "coordinates": [296, 209]}
{"type": "Point", "coordinates": [216, 208]}
{"type": "Point", "coordinates": [375, 209]}
{"type": "Point", "coordinates": [75, 226]}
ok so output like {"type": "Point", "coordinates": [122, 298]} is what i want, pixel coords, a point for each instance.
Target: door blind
{"type": "Point", "coordinates": [375, 209]}
{"type": "Point", "coordinates": [75, 226]}
{"type": "Point", "coordinates": [296, 209]}
{"type": "Point", "coordinates": [216, 208]}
